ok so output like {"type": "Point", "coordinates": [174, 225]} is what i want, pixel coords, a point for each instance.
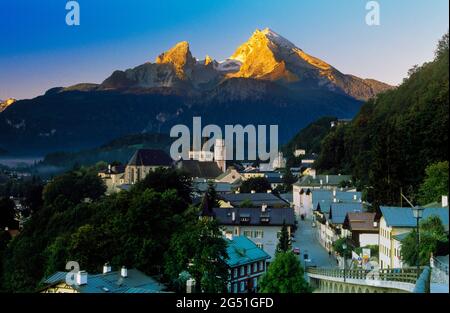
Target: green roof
{"type": "Point", "coordinates": [242, 250]}
{"type": "Point", "coordinates": [400, 237]}
{"type": "Point", "coordinates": [327, 180]}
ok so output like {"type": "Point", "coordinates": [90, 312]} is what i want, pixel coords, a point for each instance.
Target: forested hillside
{"type": "Point", "coordinates": [397, 135]}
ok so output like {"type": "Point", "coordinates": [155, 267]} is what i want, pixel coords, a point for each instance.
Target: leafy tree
{"type": "Point", "coordinates": [162, 179]}
{"type": "Point", "coordinates": [75, 186]}
{"type": "Point", "coordinates": [284, 275]}
{"type": "Point", "coordinates": [284, 242]}
{"type": "Point", "coordinates": [433, 238]}
{"type": "Point", "coordinates": [435, 184]}
{"type": "Point", "coordinates": [258, 184]}
{"type": "Point", "coordinates": [199, 249]}
{"type": "Point", "coordinates": [338, 247]}
{"type": "Point", "coordinates": [7, 212]}
{"type": "Point", "coordinates": [288, 180]}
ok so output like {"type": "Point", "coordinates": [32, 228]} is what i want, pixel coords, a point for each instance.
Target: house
{"type": "Point", "coordinates": [236, 200]}
{"type": "Point", "coordinates": [275, 179]}
{"type": "Point", "coordinates": [199, 169]}
{"type": "Point", "coordinates": [200, 185]}
{"type": "Point", "coordinates": [218, 154]}
{"type": "Point", "coordinates": [299, 152]}
{"type": "Point", "coordinates": [123, 281]}
{"type": "Point", "coordinates": [113, 177]}
{"type": "Point", "coordinates": [363, 228]}
{"type": "Point", "coordinates": [143, 162]}
{"type": "Point", "coordinates": [261, 225]}
{"type": "Point", "coordinates": [330, 224]}
{"type": "Point", "coordinates": [231, 176]}
{"type": "Point", "coordinates": [307, 195]}
{"type": "Point", "coordinates": [246, 263]}
{"type": "Point", "coordinates": [395, 224]}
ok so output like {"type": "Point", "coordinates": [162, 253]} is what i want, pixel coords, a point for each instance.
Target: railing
{"type": "Point", "coordinates": [436, 263]}
{"type": "Point", "coordinates": [405, 275]}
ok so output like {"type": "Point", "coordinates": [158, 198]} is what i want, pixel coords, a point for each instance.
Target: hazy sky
{"type": "Point", "coordinates": [39, 51]}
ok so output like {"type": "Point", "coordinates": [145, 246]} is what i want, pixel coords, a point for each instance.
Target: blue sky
{"type": "Point", "coordinates": [39, 51]}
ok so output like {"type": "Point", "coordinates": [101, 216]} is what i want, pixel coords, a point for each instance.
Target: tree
{"type": "Point", "coordinates": [435, 183]}
{"type": "Point", "coordinates": [257, 184]}
{"type": "Point", "coordinates": [199, 249]}
{"type": "Point", "coordinates": [284, 243]}
{"type": "Point", "coordinates": [284, 275]}
{"type": "Point", "coordinates": [288, 180]}
{"type": "Point", "coordinates": [7, 213]}
{"type": "Point", "coordinates": [433, 238]}
{"type": "Point", "coordinates": [75, 186]}
{"type": "Point", "coordinates": [338, 247]}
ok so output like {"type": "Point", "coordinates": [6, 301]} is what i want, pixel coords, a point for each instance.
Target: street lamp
{"type": "Point", "coordinates": [344, 248]}
{"type": "Point", "coordinates": [418, 213]}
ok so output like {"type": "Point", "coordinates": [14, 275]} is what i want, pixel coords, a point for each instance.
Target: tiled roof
{"type": "Point", "coordinates": [257, 199]}
{"type": "Point", "coordinates": [361, 221]}
{"type": "Point", "coordinates": [329, 180]}
{"type": "Point", "coordinates": [255, 216]}
{"type": "Point", "coordinates": [325, 198]}
{"type": "Point", "coordinates": [112, 282]}
{"type": "Point", "coordinates": [150, 157]}
{"type": "Point", "coordinates": [199, 169]}
{"type": "Point", "coordinates": [403, 217]}
{"type": "Point", "coordinates": [242, 250]}
{"type": "Point", "coordinates": [338, 211]}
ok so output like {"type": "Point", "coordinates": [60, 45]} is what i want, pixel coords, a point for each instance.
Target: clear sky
{"type": "Point", "coordinates": [39, 51]}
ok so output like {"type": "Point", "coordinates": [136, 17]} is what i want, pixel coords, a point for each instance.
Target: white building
{"type": "Point", "coordinates": [261, 225]}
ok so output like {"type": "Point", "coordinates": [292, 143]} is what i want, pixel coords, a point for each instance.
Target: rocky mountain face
{"type": "Point", "coordinates": [6, 103]}
{"type": "Point", "coordinates": [266, 56]}
{"type": "Point", "coordinates": [268, 80]}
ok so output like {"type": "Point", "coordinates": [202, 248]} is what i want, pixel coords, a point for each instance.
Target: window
{"type": "Point", "coordinates": [242, 270]}
{"type": "Point", "coordinates": [259, 234]}
{"type": "Point", "coordinates": [242, 286]}
{"type": "Point", "coordinates": [236, 231]}
{"type": "Point", "coordinates": [260, 245]}
{"type": "Point", "coordinates": [255, 283]}
{"type": "Point", "coordinates": [261, 265]}
{"type": "Point", "coordinates": [255, 267]}
{"type": "Point", "coordinates": [249, 269]}
{"type": "Point", "coordinates": [248, 233]}
{"type": "Point", "coordinates": [235, 273]}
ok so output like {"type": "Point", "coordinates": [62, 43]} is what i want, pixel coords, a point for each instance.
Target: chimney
{"type": "Point", "coordinates": [444, 201]}
{"type": "Point", "coordinates": [334, 200]}
{"type": "Point", "coordinates": [375, 224]}
{"type": "Point", "coordinates": [264, 207]}
{"type": "Point", "coordinates": [327, 179]}
{"type": "Point", "coordinates": [124, 272]}
{"type": "Point", "coordinates": [106, 268]}
{"type": "Point", "coordinates": [190, 285]}
{"type": "Point", "coordinates": [354, 197]}
{"type": "Point", "coordinates": [81, 278]}
{"type": "Point", "coordinates": [334, 192]}
{"type": "Point", "coordinates": [253, 191]}
{"type": "Point", "coordinates": [233, 216]}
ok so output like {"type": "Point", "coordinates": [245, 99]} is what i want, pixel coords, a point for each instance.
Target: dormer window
{"type": "Point", "coordinates": [245, 218]}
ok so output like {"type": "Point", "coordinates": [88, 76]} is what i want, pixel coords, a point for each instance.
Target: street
{"type": "Point", "coordinates": [305, 239]}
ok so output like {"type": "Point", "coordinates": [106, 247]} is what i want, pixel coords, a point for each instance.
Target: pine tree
{"type": "Point", "coordinates": [284, 243]}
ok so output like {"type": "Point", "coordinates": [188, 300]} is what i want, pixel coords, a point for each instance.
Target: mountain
{"type": "Point", "coordinates": [266, 81]}
{"type": "Point", "coordinates": [4, 104]}
{"type": "Point", "coordinates": [309, 138]}
{"type": "Point", "coordinates": [396, 136]}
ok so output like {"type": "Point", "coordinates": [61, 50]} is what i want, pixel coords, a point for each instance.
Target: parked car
{"type": "Point", "coordinates": [296, 251]}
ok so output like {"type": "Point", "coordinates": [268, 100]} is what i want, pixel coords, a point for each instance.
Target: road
{"type": "Point", "coordinates": [305, 239]}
